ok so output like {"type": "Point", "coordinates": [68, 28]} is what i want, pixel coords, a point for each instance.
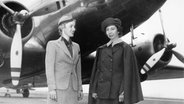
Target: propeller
{"type": "Point", "coordinates": [16, 47]}
{"type": "Point", "coordinates": [170, 46]}
{"type": "Point", "coordinates": [5, 7]}
{"type": "Point", "coordinates": [16, 55]}
{"type": "Point", "coordinates": [166, 47]}
{"type": "Point", "coordinates": [152, 61]}
{"type": "Point", "coordinates": [45, 8]}
{"type": "Point", "coordinates": [178, 55]}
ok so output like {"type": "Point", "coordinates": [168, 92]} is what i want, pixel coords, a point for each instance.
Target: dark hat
{"type": "Point", "coordinates": [64, 19]}
{"type": "Point", "coordinates": [111, 21]}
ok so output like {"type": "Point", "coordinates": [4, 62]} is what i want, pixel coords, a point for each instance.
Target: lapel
{"type": "Point", "coordinates": [66, 51]}
{"type": "Point", "coordinates": [107, 50]}
{"type": "Point", "coordinates": [114, 47]}
{"type": "Point", "coordinates": [64, 48]}
{"type": "Point", "coordinates": [75, 51]}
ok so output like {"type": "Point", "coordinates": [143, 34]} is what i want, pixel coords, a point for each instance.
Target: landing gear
{"type": "Point", "coordinates": [25, 93]}
{"type": "Point", "coordinates": [7, 94]}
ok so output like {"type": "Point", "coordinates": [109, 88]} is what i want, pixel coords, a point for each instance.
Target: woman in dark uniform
{"type": "Point", "coordinates": [115, 77]}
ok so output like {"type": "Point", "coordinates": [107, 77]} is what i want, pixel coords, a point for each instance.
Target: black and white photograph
{"type": "Point", "coordinates": [91, 52]}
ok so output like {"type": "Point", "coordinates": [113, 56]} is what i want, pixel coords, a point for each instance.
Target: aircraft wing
{"type": "Point", "coordinates": [168, 72]}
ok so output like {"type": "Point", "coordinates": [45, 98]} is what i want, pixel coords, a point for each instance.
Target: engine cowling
{"type": "Point", "coordinates": [145, 47]}
{"type": "Point", "coordinates": [8, 27]}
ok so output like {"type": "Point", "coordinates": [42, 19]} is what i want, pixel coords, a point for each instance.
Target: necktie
{"type": "Point", "coordinates": [70, 49]}
{"type": "Point", "coordinates": [68, 45]}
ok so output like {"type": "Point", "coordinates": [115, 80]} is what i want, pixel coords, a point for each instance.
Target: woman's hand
{"type": "Point", "coordinates": [121, 97]}
{"type": "Point", "coordinates": [80, 95]}
{"type": "Point", "coordinates": [52, 95]}
{"type": "Point", "coordinates": [94, 95]}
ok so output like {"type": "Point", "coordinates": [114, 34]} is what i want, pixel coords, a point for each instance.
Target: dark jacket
{"type": "Point", "coordinates": [115, 70]}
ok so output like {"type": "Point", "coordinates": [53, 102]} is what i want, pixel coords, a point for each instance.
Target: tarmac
{"type": "Point", "coordinates": [42, 100]}
{"type": "Point", "coordinates": [155, 92]}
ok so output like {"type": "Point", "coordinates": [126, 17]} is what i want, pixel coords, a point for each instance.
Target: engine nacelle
{"type": "Point", "coordinates": [8, 27]}
{"type": "Point", "coordinates": [146, 46]}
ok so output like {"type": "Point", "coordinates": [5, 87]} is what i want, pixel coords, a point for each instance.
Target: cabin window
{"type": "Point", "coordinates": [68, 2]}
{"type": "Point", "coordinates": [64, 3]}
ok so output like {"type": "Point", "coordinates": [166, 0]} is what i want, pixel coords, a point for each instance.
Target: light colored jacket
{"type": "Point", "coordinates": [61, 66]}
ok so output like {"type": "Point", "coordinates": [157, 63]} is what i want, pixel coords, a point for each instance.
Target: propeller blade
{"type": "Point", "coordinates": [46, 8]}
{"type": "Point", "coordinates": [152, 61]}
{"type": "Point", "coordinates": [179, 56]}
{"type": "Point", "coordinates": [7, 8]}
{"type": "Point", "coordinates": [16, 56]}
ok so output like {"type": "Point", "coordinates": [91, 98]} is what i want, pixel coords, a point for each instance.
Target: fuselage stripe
{"type": "Point", "coordinates": [15, 78]}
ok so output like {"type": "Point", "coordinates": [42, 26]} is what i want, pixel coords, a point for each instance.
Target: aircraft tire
{"type": "Point", "coordinates": [25, 93]}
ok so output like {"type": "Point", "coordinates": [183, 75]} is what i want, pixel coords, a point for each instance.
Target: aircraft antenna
{"type": "Point", "coordinates": [132, 35]}
{"type": "Point", "coordinates": [162, 24]}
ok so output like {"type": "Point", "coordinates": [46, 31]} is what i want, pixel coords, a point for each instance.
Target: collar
{"type": "Point", "coordinates": [66, 42]}
{"type": "Point", "coordinates": [119, 40]}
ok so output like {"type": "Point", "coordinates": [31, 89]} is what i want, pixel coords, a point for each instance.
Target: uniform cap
{"type": "Point", "coordinates": [111, 21]}
{"type": "Point", "coordinates": [64, 19]}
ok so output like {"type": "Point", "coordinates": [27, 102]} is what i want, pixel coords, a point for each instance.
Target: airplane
{"type": "Point", "coordinates": [26, 27]}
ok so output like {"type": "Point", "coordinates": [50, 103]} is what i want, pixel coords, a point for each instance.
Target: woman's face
{"type": "Point", "coordinates": [112, 32]}
{"type": "Point", "coordinates": [69, 28]}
